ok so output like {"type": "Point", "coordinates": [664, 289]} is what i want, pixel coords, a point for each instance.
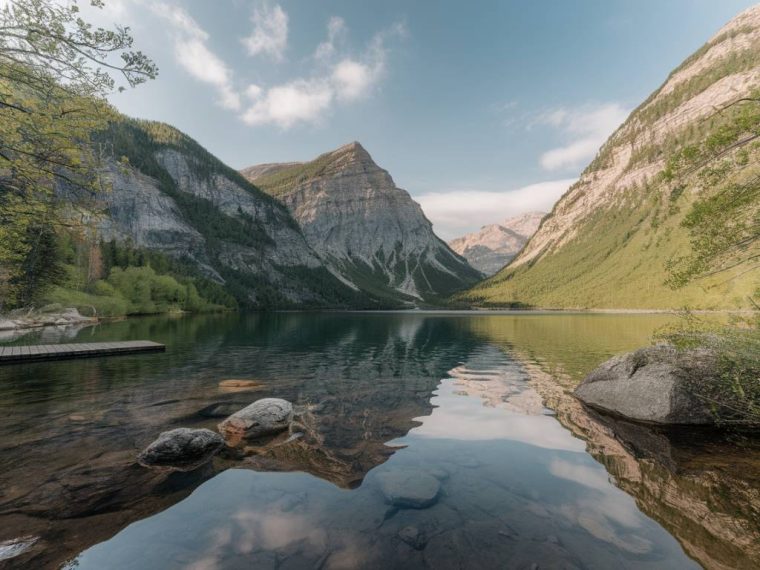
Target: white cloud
{"type": "Point", "coordinates": [337, 78]}
{"type": "Point", "coordinates": [309, 100]}
{"type": "Point", "coordinates": [285, 105]}
{"type": "Point", "coordinates": [253, 91]}
{"type": "Point", "coordinates": [270, 32]}
{"type": "Point", "coordinates": [352, 79]}
{"type": "Point", "coordinates": [336, 31]}
{"type": "Point", "coordinates": [457, 212]}
{"type": "Point", "coordinates": [192, 53]}
{"type": "Point", "coordinates": [586, 129]}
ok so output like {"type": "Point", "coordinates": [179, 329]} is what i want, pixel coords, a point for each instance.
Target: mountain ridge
{"type": "Point", "coordinates": [369, 231]}
{"type": "Point", "coordinates": [169, 195]}
{"type": "Point", "coordinates": [611, 238]}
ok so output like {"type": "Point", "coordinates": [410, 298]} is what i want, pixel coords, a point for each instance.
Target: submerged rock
{"type": "Point", "coordinates": [264, 417]}
{"type": "Point", "coordinates": [408, 488]}
{"type": "Point", "coordinates": [413, 536]}
{"type": "Point", "coordinates": [16, 546]}
{"type": "Point", "coordinates": [657, 384]}
{"type": "Point", "coordinates": [181, 449]}
{"type": "Point", "coordinates": [234, 384]}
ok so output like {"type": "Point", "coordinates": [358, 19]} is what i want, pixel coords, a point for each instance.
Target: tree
{"type": "Point", "coordinates": [724, 223]}
{"type": "Point", "coordinates": [56, 70]}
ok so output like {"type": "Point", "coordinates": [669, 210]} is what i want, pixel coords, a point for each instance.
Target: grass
{"type": "Point", "coordinates": [283, 181]}
{"type": "Point", "coordinates": [734, 393]}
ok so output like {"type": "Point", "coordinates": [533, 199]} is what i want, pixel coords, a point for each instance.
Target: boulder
{"type": "Point", "coordinates": [264, 417]}
{"type": "Point", "coordinates": [181, 449]}
{"type": "Point", "coordinates": [657, 384]}
{"type": "Point", "coordinates": [413, 536]}
{"type": "Point", "coordinates": [409, 488]}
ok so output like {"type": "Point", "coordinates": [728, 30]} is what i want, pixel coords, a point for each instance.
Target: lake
{"type": "Point", "coordinates": [470, 410]}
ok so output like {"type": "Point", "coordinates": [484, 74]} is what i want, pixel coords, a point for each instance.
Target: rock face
{"type": "Point", "coordinates": [264, 417]}
{"type": "Point", "coordinates": [491, 248]}
{"type": "Point", "coordinates": [656, 384]}
{"type": "Point", "coordinates": [176, 198]}
{"type": "Point", "coordinates": [625, 212]}
{"type": "Point", "coordinates": [369, 232]}
{"type": "Point", "coordinates": [409, 489]}
{"type": "Point", "coordinates": [181, 449]}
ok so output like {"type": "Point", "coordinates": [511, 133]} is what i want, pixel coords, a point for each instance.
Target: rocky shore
{"type": "Point", "coordinates": [52, 315]}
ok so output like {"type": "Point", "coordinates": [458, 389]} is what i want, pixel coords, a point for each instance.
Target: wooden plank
{"type": "Point", "coordinates": [30, 353]}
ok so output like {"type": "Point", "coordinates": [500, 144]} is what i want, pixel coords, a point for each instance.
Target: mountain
{"type": "Point", "coordinates": [369, 232]}
{"type": "Point", "coordinates": [491, 248]}
{"type": "Point", "coordinates": [169, 195]}
{"type": "Point", "coordinates": [688, 154]}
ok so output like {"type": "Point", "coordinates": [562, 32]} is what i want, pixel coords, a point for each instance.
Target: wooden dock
{"type": "Point", "coordinates": [33, 353]}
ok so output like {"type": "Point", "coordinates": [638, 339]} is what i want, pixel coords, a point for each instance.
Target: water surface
{"type": "Point", "coordinates": [478, 403]}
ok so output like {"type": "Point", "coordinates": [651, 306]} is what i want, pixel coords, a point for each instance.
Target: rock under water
{"type": "Point", "coordinates": [409, 488]}
{"type": "Point", "coordinates": [181, 449]}
{"type": "Point", "coordinates": [264, 417]}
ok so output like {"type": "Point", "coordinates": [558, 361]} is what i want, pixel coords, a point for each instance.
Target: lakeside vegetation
{"type": "Point", "coordinates": [56, 70]}
{"type": "Point", "coordinates": [734, 394]}
{"type": "Point", "coordinates": [118, 280]}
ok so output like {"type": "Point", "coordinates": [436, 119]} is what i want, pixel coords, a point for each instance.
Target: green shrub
{"type": "Point", "coordinates": [735, 395]}
{"type": "Point", "coordinates": [105, 306]}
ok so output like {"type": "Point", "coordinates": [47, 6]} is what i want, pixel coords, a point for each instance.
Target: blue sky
{"type": "Point", "coordinates": [481, 110]}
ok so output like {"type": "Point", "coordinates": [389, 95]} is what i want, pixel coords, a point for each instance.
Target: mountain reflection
{"type": "Point", "coordinates": [526, 475]}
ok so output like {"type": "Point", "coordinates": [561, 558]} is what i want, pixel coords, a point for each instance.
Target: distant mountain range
{"type": "Point", "coordinates": [614, 239]}
{"type": "Point", "coordinates": [491, 248]}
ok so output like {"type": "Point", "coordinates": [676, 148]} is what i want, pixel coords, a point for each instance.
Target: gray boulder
{"type": "Point", "coordinates": [409, 488]}
{"type": "Point", "coordinates": [181, 449]}
{"type": "Point", "coordinates": [267, 416]}
{"type": "Point", "coordinates": [657, 384]}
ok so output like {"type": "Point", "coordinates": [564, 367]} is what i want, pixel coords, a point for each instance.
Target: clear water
{"type": "Point", "coordinates": [474, 404]}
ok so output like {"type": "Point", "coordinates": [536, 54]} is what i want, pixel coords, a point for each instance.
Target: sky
{"type": "Point", "coordinates": [481, 110]}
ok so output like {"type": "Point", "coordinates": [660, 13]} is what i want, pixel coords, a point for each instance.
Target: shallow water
{"type": "Point", "coordinates": [474, 407]}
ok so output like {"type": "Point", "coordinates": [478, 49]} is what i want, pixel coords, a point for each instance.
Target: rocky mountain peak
{"type": "Point", "coordinates": [494, 245]}
{"type": "Point", "coordinates": [370, 232]}
{"type": "Point", "coordinates": [347, 157]}
{"type": "Point", "coordinates": [748, 19]}
{"type": "Point", "coordinates": [353, 148]}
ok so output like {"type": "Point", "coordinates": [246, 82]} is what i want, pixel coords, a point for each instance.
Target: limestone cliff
{"type": "Point", "coordinates": [368, 231]}
{"type": "Point", "coordinates": [491, 248]}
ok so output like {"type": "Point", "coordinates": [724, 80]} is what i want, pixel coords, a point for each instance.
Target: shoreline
{"type": "Point", "coordinates": [536, 311]}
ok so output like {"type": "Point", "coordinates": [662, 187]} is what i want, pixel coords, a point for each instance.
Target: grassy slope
{"type": "Point", "coordinates": [619, 254]}
{"type": "Point", "coordinates": [617, 262]}
{"type": "Point", "coordinates": [284, 180]}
